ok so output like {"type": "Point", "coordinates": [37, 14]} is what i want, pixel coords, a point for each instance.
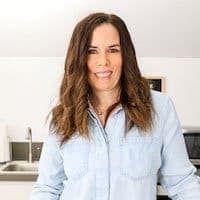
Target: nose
{"type": "Point", "coordinates": [102, 59]}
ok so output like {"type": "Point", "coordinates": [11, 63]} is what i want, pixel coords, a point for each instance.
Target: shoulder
{"type": "Point", "coordinates": [160, 100]}
{"type": "Point", "coordinates": [164, 107]}
{"type": "Point", "coordinates": [159, 97]}
{"type": "Point", "coordinates": [52, 141]}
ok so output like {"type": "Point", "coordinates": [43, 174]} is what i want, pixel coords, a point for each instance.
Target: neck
{"type": "Point", "coordinates": [104, 99]}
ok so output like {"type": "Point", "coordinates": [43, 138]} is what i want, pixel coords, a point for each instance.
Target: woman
{"type": "Point", "coordinates": [112, 137]}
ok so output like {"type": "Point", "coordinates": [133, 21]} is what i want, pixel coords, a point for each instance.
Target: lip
{"type": "Point", "coordinates": [105, 71]}
{"type": "Point", "coordinates": [104, 74]}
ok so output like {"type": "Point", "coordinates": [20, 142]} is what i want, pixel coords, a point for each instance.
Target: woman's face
{"type": "Point", "coordinates": [104, 59]}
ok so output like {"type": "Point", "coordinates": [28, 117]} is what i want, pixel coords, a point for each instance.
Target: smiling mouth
{"type": "Point", "coordinates": [105, 74]}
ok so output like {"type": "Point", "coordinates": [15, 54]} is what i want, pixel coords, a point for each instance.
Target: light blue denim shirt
{"type": "Point", "coordinates": [112, 167]}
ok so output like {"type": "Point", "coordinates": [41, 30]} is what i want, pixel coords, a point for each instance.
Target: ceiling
{"type": "Point", "coordinates": [159, 28]}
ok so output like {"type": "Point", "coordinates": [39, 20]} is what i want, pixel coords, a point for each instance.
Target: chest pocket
{"type": "Point", "coordinates": [139, 156]}
{"type": "Point", "coordinates": [76, 157]}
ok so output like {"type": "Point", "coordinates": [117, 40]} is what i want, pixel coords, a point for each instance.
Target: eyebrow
{"type": "Point", "coordinates": [113, 45]}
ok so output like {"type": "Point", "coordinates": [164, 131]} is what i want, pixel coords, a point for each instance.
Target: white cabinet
{"type": "Point", "coordinates": [10, 190]}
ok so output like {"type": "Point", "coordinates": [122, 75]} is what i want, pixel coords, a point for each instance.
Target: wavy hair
{"type": "Point", "coordinates": [70, 115]}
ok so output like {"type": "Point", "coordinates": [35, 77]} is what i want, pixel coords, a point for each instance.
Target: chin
{"type": "Point", "coordinates": [104, 88]}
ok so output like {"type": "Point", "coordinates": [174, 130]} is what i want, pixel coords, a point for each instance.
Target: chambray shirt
{"type": "Point", "coordinates": [114, 167]}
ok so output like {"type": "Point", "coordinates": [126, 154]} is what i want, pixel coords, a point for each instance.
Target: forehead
{"type": "Point", "coordinates": [105, 34]}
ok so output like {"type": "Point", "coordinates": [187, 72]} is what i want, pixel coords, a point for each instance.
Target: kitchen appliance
{"type": "Point", "coordinates": [192, 141]}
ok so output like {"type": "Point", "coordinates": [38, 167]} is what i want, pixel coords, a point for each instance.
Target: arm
{"type": "Point", "coordinates": [49, 183]}
{"type": "Point", "coordinates": [177, 173]}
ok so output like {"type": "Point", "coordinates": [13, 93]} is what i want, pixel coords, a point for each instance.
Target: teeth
{"type": "Point", "coordinates": [103, 74]}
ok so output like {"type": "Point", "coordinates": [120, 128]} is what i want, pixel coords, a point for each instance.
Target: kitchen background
{"type": "Point", "coordinates": [34, 37]}
{"type": "Point", "coordinates": [33, 41]}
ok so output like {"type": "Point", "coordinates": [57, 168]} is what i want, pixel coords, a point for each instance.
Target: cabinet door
{"type": "Point", "coordinates": [15, 190]}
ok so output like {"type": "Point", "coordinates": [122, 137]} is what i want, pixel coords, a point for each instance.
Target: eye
{"type": "Point", "coordinates": [91, 51]}
{"type": "Point", "coordinates": [114, 50]}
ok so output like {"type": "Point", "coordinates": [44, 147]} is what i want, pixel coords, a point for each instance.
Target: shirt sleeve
{"type": "Point", "coordinates": [49, 184]}
{"type": "Point", "coordinates": [177, 173]}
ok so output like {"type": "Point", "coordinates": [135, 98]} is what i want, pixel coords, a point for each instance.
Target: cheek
{"type": "Point", "coordinates": [117, 62]}
{"type": "Point", "coordinates": [118, 69]}
{"type": "Point", "coordinates": [91, 76]}
{"type": "Point", "coordinates": [117, 75]}
{"type": "Point", "coordinates": [90, 64]}
{"type": "Point", "coordinates": [91, 70]}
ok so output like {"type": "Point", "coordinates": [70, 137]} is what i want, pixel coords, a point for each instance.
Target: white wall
{"type": "Point", "coordinates": [182, 84]}
{"type": "Point", "coordinates": [167, 28]}
{"type": "Point", "coordinates": [29, 88]}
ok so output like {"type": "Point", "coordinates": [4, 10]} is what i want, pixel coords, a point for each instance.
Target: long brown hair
{"type": "Point", "coordinates": [71, 115]}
